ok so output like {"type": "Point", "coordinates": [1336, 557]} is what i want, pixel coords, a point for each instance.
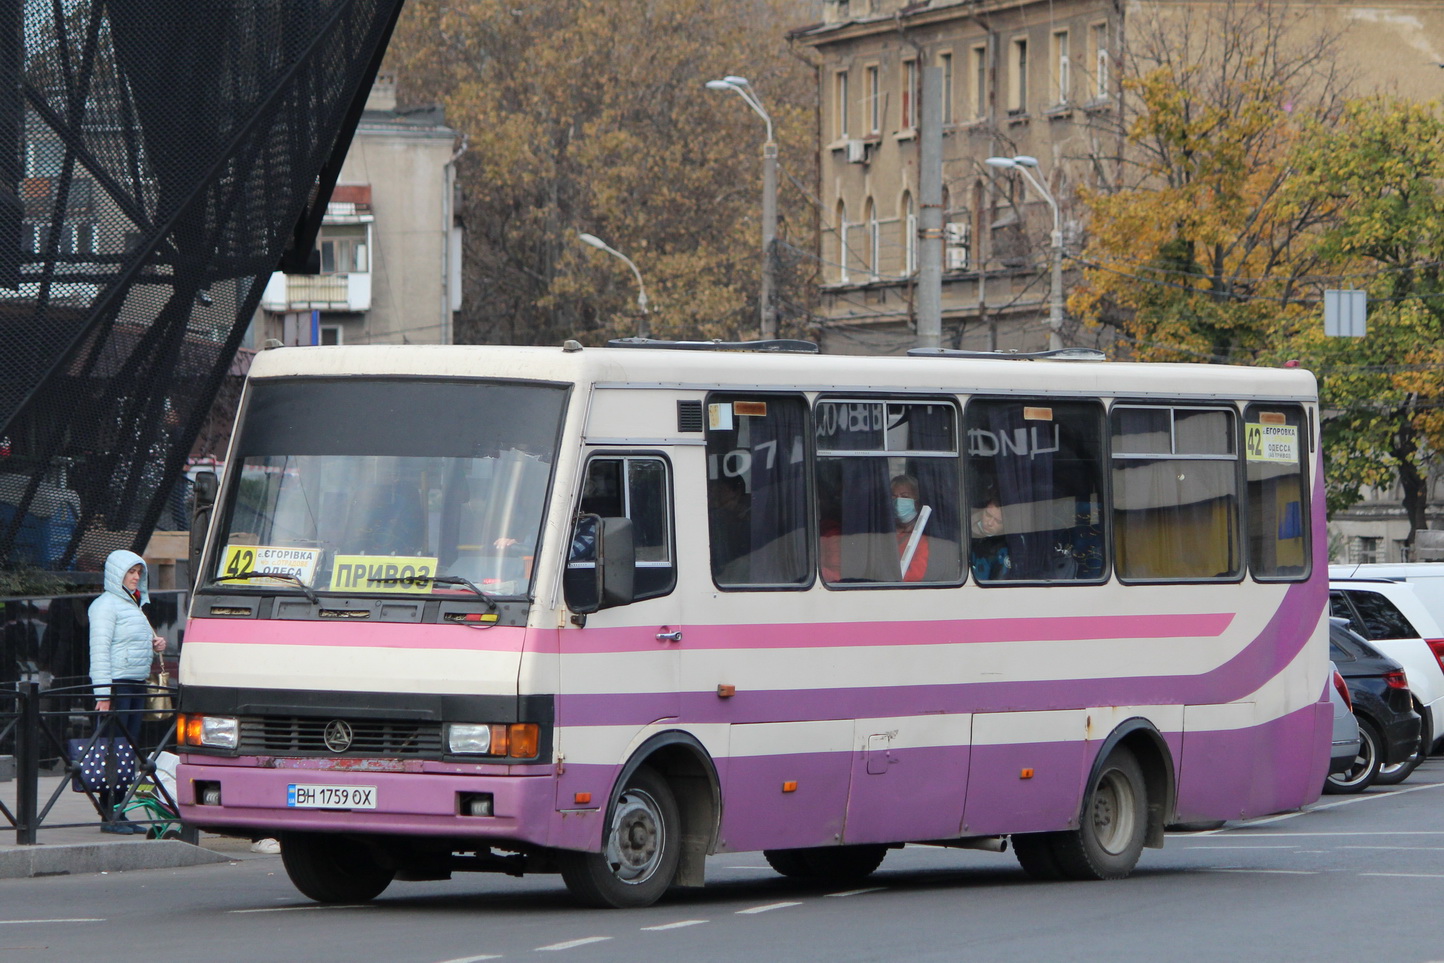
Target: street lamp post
{"type": "Point", "coordinates": [767, 309]}
{"type": "Point", "coordinates": [644, 328]}
{"type": "Point", "coordinates": [1025, 165]}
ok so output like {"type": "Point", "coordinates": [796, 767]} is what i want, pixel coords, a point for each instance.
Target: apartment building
{"type": "Point", "coordinates": [389, 248]}
{"type": "Point", "coordinates": [1019, 77]}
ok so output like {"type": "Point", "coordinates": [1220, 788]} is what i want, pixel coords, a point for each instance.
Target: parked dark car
{"type": "Point", "coordinates": [1388, 725]}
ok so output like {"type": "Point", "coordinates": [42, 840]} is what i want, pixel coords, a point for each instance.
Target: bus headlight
{"type": "Point", "coordinates": [518, 740]}
{"type": "Point", "coordinates": [468, 739]}
{"type": "Point", "coordinates": [212, 732]}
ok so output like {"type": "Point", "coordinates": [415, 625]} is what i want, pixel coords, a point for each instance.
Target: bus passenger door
{"type": "Point", "coordinates": [620, 668]}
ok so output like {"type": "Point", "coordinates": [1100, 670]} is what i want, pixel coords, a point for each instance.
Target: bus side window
{"type": "Point", "coordinates": [757, 491]}
{"type": "Point", "coordinates": [638, 488]}
{"type": "Point", "coordinates": [1035, 483]}
{"type": "Point", "coordinates": [1175, 492]}
{"type": "Point", "coordinates": [1274, 452]}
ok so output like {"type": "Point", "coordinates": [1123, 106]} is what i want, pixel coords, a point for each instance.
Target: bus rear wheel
{"type": "Point", "coordinates": [333, 869]}
{"type": "Point", "coordinates": [840, 864]}
{"type": "Point", "coordinates": [1110, 835]}
{"type": "Point", "coordinates": [640, 853]}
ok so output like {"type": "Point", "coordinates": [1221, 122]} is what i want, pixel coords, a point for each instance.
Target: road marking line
{"type": "Point", "coordinates": [474, 959]}
{"type": "Point", "coordinates": [81, 919]}
{"type": "Point", "coordinates": [573, 944]}
{"type": "Point", "coordinates": [1238, 846]}
{"type": "Point", "coordinates": [671, 926]}
{"type": "Point", "coordinates": [1361, 832]}
{"type": "Point", "coordinates": [767, 908]}
{"type": "Point", "coordinates": [1271, 872]}
{"type": "Point", "coordinates": [1324, 807]}
{"type": "Point", "coordinates": [289, 909]}
{"type": "Point", "coordinates": [1408, 875]}
{"type": "Point", "coordinates": [859, 892]}
{"type": "Point", "coordinates": [1410, 849]}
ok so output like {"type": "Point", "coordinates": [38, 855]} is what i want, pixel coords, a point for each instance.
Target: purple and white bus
{"type": "Point", "coordinates": [606, 611]}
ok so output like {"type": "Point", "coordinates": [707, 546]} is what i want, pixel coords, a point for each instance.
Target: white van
{"type": "Point", "coordinates": [1393, 615]}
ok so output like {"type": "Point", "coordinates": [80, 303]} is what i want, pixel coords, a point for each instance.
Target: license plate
{"type": "Point", "coordinates": [330, 797]}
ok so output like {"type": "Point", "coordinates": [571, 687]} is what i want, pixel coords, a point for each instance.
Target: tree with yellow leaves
{"type": "Point", "coordinates": [590, 116]}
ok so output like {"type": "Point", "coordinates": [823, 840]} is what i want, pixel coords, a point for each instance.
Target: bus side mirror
{"type": "Point", "coordinates": [602, 564]}
{"type": "Point", "coordinates": [204, 502]}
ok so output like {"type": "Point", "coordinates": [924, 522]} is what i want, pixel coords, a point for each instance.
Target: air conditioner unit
{"type": "Point", "coordinates": [856, 152]}
{"type": "Point", "coordinates": [957, 259]}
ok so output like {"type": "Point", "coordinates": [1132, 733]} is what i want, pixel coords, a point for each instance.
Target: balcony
{"type": "Point", "coordinates": [318, 292]}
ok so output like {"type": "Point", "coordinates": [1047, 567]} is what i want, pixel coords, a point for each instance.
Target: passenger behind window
{"type": "Point", "coordinates": [989, 556]}
{"type": "Point", "coordinates": [923, 554]}
{"type": "Point", "coordinates": [731, 526]}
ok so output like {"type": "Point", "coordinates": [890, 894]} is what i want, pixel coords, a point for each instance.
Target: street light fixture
{"type": "Point", "coordinates": [644, 329]}
{"type": "Point", "coordinates": [1025, 165]}
{"type": "Point", "coordinates": [744, 90]}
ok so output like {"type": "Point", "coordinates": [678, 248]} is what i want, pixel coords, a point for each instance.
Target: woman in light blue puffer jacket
{"type": "Point", "coordinates": [122, 645]}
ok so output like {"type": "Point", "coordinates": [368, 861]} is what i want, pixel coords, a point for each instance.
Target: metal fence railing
{"type": "Point", "coordinates": [57, 732]}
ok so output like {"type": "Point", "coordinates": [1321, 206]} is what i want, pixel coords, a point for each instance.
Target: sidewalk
{"type": "Point", "coordinates": [69, 841]}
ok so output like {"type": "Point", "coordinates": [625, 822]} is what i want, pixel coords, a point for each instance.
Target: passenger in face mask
{"type": "Point", "coordinates": [911, 518]}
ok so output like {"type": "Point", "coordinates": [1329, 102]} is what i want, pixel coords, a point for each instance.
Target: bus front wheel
{"type": "Point", "coordinates": [640, 853]}
{"type": "Point", "coordinates": [333, 869]}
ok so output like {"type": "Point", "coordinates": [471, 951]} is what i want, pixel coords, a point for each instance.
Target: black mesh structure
{"type": "Point", "coordinates": [158, 159]}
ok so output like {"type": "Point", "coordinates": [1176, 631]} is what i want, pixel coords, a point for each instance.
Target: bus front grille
{"type": "Point", "coordinates": [303, 736]}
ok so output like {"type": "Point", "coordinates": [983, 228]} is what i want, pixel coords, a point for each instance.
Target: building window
{"type": "Point", "coordinates": [910, 236]}
{"type": "Point", "coordinates": [842, 274]}
{"type": "Point", "coordinates": [979, 60]}
{"type": "Point", "coordinates": [958, 242]}
{"type": "Point", "coordinates": [945, 67]}
{"type": "Point", "coordinates": [839, 103]}
{"type": "Point", "coordinates": [874, 100]}
{"type": "Point", "coordinates": [331, 334]}
{"type": "Point", "coordinates": [909, 95]}
{"type": "Point", "coordinates": [870, 256]}
{"type": "Point", "coordinates": [343, 249]}
{"type": "Point", "coordinates": [1099, 42]}
{"type": "Point", "coordinates": [1018, 76]}
{"type": "Point", "coordinates": [1061, 66]}
{"type": "Point", "coordinates": [1366, 548]}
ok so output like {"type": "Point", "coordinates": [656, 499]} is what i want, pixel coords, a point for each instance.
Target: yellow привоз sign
{"type": "Point", "coordinates": [362, 572]}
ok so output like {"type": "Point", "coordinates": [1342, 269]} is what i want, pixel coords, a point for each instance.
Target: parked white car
{"type": "Point", "coordinates": [1391, 614]}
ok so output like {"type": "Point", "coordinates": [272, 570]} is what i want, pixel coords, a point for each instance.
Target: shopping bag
{"type": "Point", "coordinates": [158, 705]}
{"type": "Point", "coordinates": [100, 764]}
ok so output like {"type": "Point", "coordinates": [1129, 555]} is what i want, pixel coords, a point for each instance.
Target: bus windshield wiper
{"type": "Point", "coordinates": [287, 576]}
{"type": "Point", "coordinates": [442, 580]}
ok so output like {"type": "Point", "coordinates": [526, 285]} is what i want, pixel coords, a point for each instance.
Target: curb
{"type": "Point", "coordinates": [111, 857]}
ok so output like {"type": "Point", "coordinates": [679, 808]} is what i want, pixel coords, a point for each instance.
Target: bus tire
{"type": "Point", "coordinates": [1114, 823]}
{"type": "Point", "coordinates": [1035, 853]}
{"type": "Point", "coordinates": [333, 869]}
{"type": "Point", "coordinates": [641, 849]}
{"type": "Point", "coordinates": [838, 864]}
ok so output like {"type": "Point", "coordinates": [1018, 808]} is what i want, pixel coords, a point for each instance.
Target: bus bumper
{"type": "Point", "coordinates": [247, 800]}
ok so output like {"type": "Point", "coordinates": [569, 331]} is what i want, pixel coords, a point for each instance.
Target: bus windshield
{"type": "Point", "coordinates": [393, 486]}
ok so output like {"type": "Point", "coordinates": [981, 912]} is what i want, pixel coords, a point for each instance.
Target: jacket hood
{"type": "Point", "coordinates": [119, 562]}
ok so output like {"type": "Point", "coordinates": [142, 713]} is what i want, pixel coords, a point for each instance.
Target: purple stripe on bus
{"type": "Point", "coordinates": [857, 797]}
{"type": "Point", "coordinates": [903, 632]}
{"type": "Point", "coordinates": [1277, 644]}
